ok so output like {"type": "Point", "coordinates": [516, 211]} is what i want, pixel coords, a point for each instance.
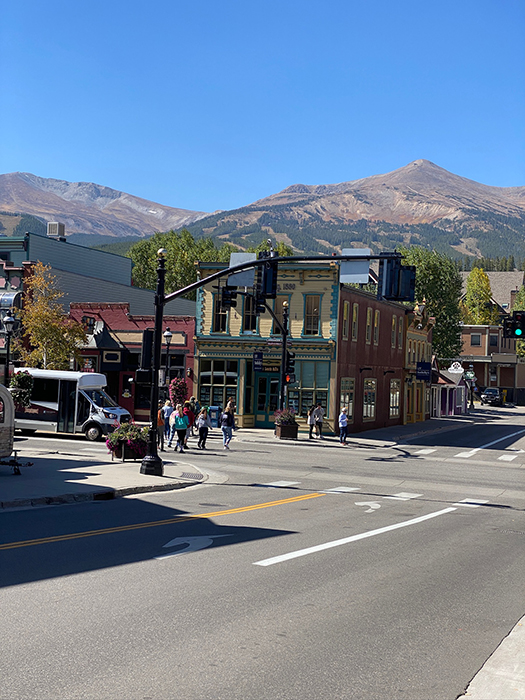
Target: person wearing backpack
{"type": "Point", "coordinates": [179, 424]}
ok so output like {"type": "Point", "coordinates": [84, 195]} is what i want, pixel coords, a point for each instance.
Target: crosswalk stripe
{"type": "Point", "coordinates": [507, 458]}
{"type": "Point", "coordinates": [279, 483]}
{"type": "Point", "coordinates": [403, 496]}
{"type": "Point", "coordinates": [470, 503]}
{"type": "Point", "coordinates": [341, 489]}
{"type": "Point", "coordinates": [426, 451]}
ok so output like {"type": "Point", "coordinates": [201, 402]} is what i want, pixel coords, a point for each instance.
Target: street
{"type": "Point", "coordinates": [298, 570]}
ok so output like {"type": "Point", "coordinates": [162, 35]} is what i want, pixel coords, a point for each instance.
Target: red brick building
{"type": "Point", "coordinates": [114, 348]}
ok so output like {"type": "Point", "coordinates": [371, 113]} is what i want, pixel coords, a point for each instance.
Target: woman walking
{"type": "Point", "coordinates": [311, 421]}
{"type": "Point", "coordinates": [227, 425]}
{"type": "Point", "coordinates": [343, 426]}
{"type": "Point", "coordinates": [203, 423]}
{"type": "Point", "coordinates": [167, 411]}
{"type": "Point", "coordinates": [179, 424]}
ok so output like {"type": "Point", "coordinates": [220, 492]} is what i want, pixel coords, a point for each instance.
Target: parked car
{"type": "Point", "coordinates": [492, 396]}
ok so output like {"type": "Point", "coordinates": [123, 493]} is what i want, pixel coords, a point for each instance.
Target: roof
{"type": "Point", "coordinates": [501, 285]}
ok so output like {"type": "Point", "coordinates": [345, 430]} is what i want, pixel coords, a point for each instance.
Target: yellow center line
{"type": "Point", "coordinates": [155, 523]}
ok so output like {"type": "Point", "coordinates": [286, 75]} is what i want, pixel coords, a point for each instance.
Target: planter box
{"type": "Point", "coordinates": [124, 452]}
{"type": "Point", "coordinates": [287, 432]}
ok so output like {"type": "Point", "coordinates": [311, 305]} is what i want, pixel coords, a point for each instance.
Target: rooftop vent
{"type": "Point", "coordinates": [56, 230]}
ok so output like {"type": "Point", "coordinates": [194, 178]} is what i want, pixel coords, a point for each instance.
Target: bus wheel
{"type": "Point", "coordinates": [93, 432]}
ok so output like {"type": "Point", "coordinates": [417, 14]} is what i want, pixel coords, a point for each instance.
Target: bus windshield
{"type": "Point", "coordinates": [99, 398]}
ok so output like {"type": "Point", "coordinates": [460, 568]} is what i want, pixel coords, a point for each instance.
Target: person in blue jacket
{"type": "Point", "coordinates": [227, 426]}
{"type": "Point", "coordinates": [179, 424]}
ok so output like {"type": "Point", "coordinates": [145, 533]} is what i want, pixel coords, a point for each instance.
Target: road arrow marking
{"type": "Point", "coordinates": [372, 505]}
{"type": "Point", "coordinates": [193, 544]}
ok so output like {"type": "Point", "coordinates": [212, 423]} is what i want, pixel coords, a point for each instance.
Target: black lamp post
{"type": "Point", "coordinates": [152, 463]}
{"type": "Point", "coordinates": [284, 333]}
{"type": "Point", "coordinates": [9, 323]}
{"type": "Point", "coordinates": [167, 335]}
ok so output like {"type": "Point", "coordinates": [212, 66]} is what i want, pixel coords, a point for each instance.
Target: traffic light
{"type": "Point", "coordinates": [289, 378]}
{"type": "Point", "coordinates": [144, 375]}
{"type": "Point", "coordinates": [260, 306]}
{"type": "Point", "coordinates": [290, 362]}
{"type": "Point", "coordinates": [397, 282]}
{"type": "Point", "coordinates": [228, 297]}
{"type": "Point", "coordinates": [515, 327]}
{"type": "Point", "coordinates": [267, 276]}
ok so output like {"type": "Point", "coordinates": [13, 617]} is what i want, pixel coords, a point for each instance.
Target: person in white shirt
{"type": "Point", "coordinates": [343, 426]}
{"type": "Point", "coordinates": [318, 415]}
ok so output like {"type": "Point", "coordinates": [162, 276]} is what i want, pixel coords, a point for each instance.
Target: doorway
{"type": "Point", "coordinates": [266, 399]}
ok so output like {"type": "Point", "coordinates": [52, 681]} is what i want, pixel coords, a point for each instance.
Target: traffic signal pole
{"type": "Point", "coordinates": [284, 331]}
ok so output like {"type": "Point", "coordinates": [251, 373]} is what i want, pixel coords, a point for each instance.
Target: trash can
{"type": "Point", "coordinates": [214, 413]}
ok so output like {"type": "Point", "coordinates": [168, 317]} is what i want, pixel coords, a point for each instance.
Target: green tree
{"type": "Point", "coordinates": [183, 251]}
{"type": "Point", "coordinates": [49, 337]}
{"type": "Point", "coordinates": [439, 283]}
{"type": "Point", "coordinates": [477, 306]}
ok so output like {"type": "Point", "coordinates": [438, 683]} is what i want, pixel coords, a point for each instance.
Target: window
{"type": "Point", "coordinates": [347, 396]}
{"type": "Point", "coordinates": [249, 319]}
{"type": "Point", "coordinates": [395, 397]}
{"type": "Point", "coordinates": [409, 355]}
{"type": "Point", "coordinates": [355, 316]}
{"type": "Point", "coordinates": [217, 381]}
{"type": "Point", "coordinates": [278, 311]}
{"type": "Point", "coordinates": [493, 341]}
{"type": "Point", "coordinates": [220, 316]}
{"type": "Point", "coordinates": [376, 327]}
{"type": "Point", "coordinates": [346, 319]}
{"type": "Point", "coordinates": [369, 399]}
{"type": "Point", "coordinates": [314, 379]}
{"type": "Point", "coordinates": [394, 331]}
{"type": "Point", "coordinates": [311, 317]}
{"type": "Point", "coordinates": [475, 339]}
{"type": "Point", "coordinates": [400, 333]}
{"type": "Point", "coordinates": [368, 331]}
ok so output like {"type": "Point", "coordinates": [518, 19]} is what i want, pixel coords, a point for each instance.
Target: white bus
{"type": "Point", "coordinates": [69, 402]}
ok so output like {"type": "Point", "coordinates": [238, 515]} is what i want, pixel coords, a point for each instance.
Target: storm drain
{"type": "Point", "coordinates": [194, 477]}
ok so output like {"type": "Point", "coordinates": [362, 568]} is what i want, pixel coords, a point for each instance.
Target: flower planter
{"type": "Point", "coordinates": [287, 432]}
{"type": "Point", "coordinates": [125, 452]}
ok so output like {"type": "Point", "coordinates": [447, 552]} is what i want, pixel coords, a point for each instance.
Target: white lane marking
{"type": "Point", "coordinates": [403, 496]}
{"type": "Point", "coordinates": [372, 505]}
{"type": "Point", "coordinates": [507, 457]}
{"type": "Point", "coordinates": [470, 503]}
{"type": "Point", "coordinates": [280, 483]}
{"type": "Point", "coordinates": [347, 540]}
{"type": "Point", "coordinates": [193, 544]}
{"type": "Point", "coordinates": [342, 489]}
{"type": "Point", "coordinates": [426, 451]}
{"type": "Point", "coordinates": [489, 444]}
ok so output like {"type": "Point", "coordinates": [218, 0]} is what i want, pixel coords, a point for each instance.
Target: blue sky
{"type": "Point", "coordinates": [211, 105]}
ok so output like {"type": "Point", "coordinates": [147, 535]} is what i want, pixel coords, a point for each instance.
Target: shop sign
{"type": "Point", "coordinates": [424, 371]}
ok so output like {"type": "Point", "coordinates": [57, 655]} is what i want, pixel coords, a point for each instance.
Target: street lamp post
{"type": "Point", "coordinates": [167, 335]}
{"type": "Point", "coordinates": [152, 463]}
{"type": "Point", "coordinates": [9, 323]}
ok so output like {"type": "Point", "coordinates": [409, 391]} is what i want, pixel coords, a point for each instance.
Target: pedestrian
{"type": "Point", "coordinates": [160, 426]}
{"type": "Point", "coordinates": [196, 408]}
{"type": "Point", "coordinates": [318, 415]}
{"type": "Point", "coordinates": [191, 420]}
{"type": "Point", "coordinates": [227, 426]}
{"type": "Point", "coordinates": [203, 423]}
{"type": "Point", "coordinates": [343, 426]}
{"type": "Point", "coordinates": [311, 421]}
{"type": "Point", "coordinates": [180, 424]}
{"type": "Point", "coordinates": [167, 410]}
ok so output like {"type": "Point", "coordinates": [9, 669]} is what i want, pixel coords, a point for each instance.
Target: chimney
{"type": "Point", "coordinates": [56, 230]}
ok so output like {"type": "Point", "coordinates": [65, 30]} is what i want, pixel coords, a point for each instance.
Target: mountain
{"type": "Point", "coordinates": [419, 204]}
{"type": "Point", "coordinates": [90, 211]}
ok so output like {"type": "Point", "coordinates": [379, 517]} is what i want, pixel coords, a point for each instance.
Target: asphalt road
{"type": "Point", "coordinates": [298, 571]}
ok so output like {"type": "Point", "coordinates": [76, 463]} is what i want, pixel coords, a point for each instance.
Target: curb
{"type": "Point", "coordinates": [105, 495]}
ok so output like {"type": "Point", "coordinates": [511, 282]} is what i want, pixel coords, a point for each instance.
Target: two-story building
{"type": "Point", "coordinates": [350, 350]}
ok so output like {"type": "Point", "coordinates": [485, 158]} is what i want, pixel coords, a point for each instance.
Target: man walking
{"type": "Point", "coordinates": [318, 416]}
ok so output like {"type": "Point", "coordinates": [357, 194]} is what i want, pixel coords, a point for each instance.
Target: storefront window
{"type": "Point", "coordinates": [369, 399]}
{"type": "Point", "coordinates": [217, 381]}
{"type": "Point", "coordinates": [313, 378]}
{"type": "Point", "coordinates": [395, 397]}
{"type": "Point", "coordinates": [346, 395]}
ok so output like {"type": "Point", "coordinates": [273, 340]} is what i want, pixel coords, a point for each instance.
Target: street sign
{"type": "Point", "coordinates": [354, 271]}
{"type": "Point", "coordinates": [257, 361]}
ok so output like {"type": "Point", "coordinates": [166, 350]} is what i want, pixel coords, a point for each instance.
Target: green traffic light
{"type": "Point", "coordinates": [518, 331]}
